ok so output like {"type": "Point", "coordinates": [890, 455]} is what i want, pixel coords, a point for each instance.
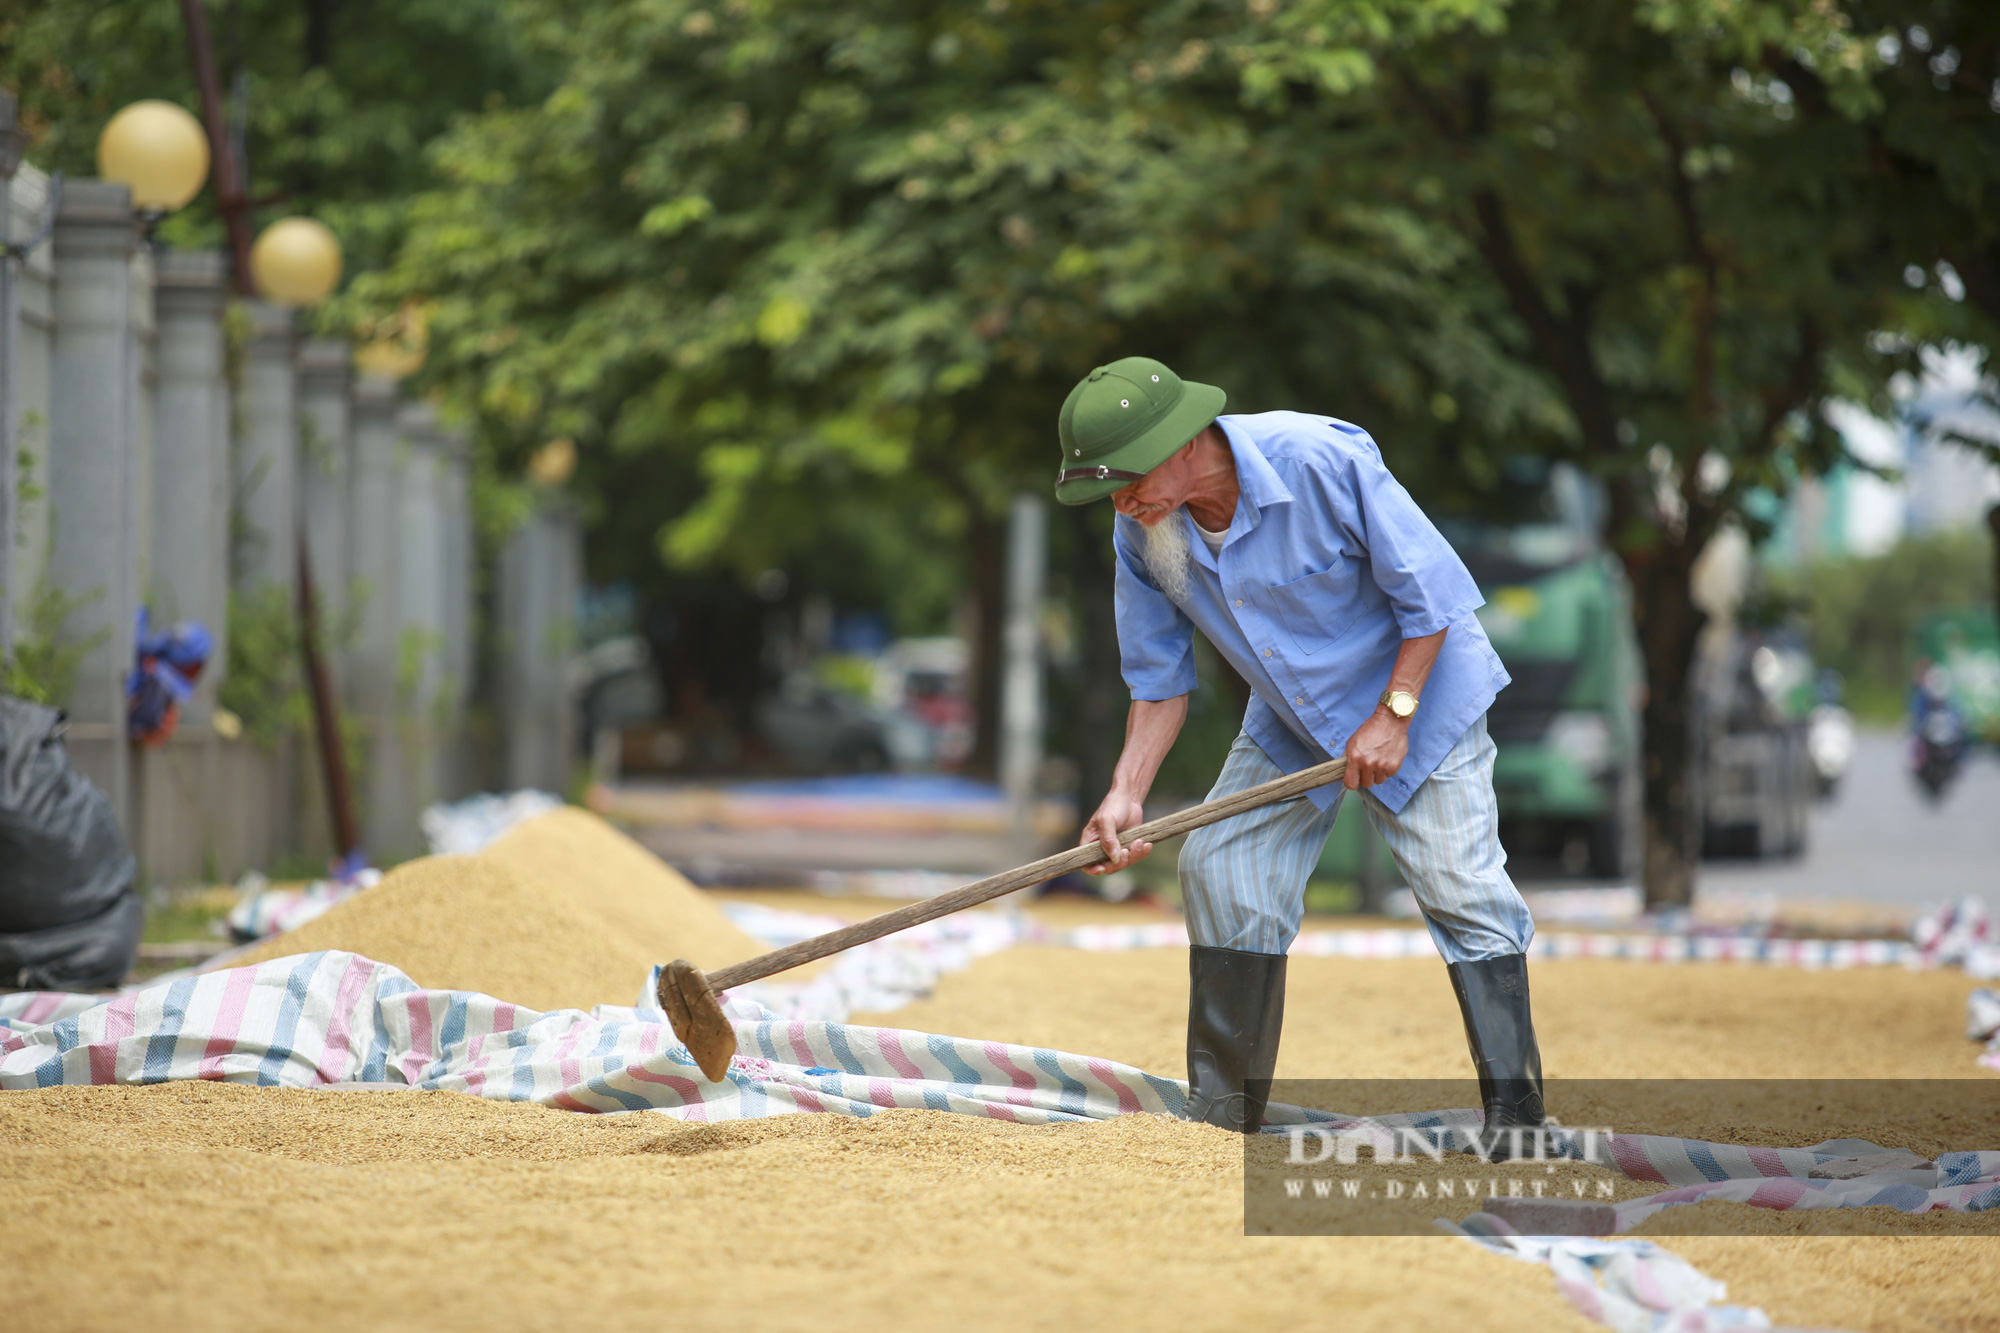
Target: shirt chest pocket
{"type": "Point", "coordinates": [1316, 609]}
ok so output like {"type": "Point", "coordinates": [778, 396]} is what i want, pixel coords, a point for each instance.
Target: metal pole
{"type": "Point", "coordinates": [1021, 673]}
{"type": "Point", "coordinates": [231, 193]}
{"type": "Point", "coordinates": [326, 718]}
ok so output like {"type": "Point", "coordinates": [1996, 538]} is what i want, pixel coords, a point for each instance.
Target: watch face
{"type": "Point", "coordinates": [1401, 704]}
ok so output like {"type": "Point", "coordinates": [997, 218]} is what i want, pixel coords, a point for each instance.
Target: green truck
{"type": "Point", "coordinates": [1967, 645]}
{"type": "Point", "coordinates": [1567, 729]}
{"type": "Point", "coordinates": [1559, 614]}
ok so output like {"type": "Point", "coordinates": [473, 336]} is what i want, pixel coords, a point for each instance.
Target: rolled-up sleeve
{"type": "Point", "coordinates": [1155, 641]}
{"type": "Point", "coordinates": [1427, 585]}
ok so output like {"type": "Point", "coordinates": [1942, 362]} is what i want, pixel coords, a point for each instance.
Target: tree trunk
{"type": "Point", "coordinates": [1993, 522]}
{"type": "Point", "coordinates": [1669, 625]}
{"type": "Point", "coordinates": [319, 32]}
{"type": "Point", "coordinates": [987, 545]}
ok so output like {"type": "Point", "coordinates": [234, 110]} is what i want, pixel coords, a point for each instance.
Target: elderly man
{"type": "Point", "coordinates": [1286, 541]}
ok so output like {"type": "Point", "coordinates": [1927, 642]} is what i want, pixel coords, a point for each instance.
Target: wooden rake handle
{"type": "Point", "coordinates": [1035, 872]}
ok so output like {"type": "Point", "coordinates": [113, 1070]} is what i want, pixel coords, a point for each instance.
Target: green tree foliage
{"type": "Point", "coordinates": [1689, 250]}
{"type": "Point", "coordinates": [45, 661]}
{"type": "Point", "coordinates": [263, 686]}
{"type": "Point", "coordinates": [1935, 152]}
{"type": "Point", "coordinates": [844, 264]}
{"type": "Point", "coordinates": [340, 97]}
{"type": "Point", "coordinates": [806, 284]}
{"type": "Point", "coordinates": [859, 255]}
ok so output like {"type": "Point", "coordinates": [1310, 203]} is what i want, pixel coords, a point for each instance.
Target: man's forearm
{"type": "Point", "coordinates": [1414, 661]}
{"type": "Point", "coordinates": [1379, 745]}
{"type": "Point", "coordinates": [1150, 729]}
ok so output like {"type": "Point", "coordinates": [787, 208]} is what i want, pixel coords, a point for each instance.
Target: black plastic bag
{"type": "Point", "coordinates": [92, 954]}
{"type": "Point", "coordinates": [69, 919]}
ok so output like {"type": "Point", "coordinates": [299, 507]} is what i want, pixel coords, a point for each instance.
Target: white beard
{"type": "Point", "coordinates": [1167, 557]}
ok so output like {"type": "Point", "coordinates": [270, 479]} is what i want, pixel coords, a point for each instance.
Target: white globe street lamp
{"type": "Point", "coordinates": [158, 152]}
{"type": "Point", "coordinates": [296, 262]}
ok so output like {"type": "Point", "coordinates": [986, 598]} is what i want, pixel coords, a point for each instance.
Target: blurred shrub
{"type": "Point", "coordinates": [1332, 897]}
{"type": "Point", "coordinates": [45, 661]}
{"type": "Point", "coordinates": [1862, 611]}
{"type": "Point", "coordinates": [262, 685]}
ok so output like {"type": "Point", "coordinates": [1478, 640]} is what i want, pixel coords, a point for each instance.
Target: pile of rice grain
{"type": "Point", "coordinates": [563, 911]}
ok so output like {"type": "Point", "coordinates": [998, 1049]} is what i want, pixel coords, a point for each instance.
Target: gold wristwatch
{"type": "Point", "coordinates": [1399, 702]}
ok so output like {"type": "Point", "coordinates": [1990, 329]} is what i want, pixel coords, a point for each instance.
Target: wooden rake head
{"type": "Point", "coordinates": [697, 1018]}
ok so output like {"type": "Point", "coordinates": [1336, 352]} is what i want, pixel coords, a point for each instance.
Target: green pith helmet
{"type": "Point", "coordinates": [1123, 420]}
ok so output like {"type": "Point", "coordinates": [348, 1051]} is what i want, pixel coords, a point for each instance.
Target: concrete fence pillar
{"type": "Point", "coordinates": [190, 565]}
{"type": "Point", "coordinates": [420, 581]}
{"type": "Point", "coordinates": [31, 292]}
{"type": "Point", "coordinates": [326, 457]}
{"type": "Point", "coordinates": [11, 139]}
{"type": "Point", "coordinates": [267, 452]}
{"type": "Point", "coordinates": [371, 686]}
{"type": "Point", "coordinates": [264, 526]}
{"type": "Point", "coordinates": [540, 581]}
{"type": "Point", "coordinates": [194, 812]}
{"type": "Point", "coordinates": [459, 767]}
{"type": "Point", "coordinates": [94, 467]}
{"type": "Point", "coordinates": [139, 406]}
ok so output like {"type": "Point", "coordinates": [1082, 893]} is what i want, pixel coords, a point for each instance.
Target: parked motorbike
{"type": "Point", "coordinates": [1829, 735]}
{"type": "Point", "coordinates": [1830, 744]}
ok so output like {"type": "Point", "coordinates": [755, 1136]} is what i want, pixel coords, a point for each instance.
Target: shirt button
{"type": "Point", "coordinates": [1239, 601]}
{"type": "Point", "coordinates": [1300, 700]}
{"type": "Point", "coordinates": [1267, 652]}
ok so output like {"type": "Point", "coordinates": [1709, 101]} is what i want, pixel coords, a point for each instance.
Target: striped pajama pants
{"type": "Point", "coordinates": [1244, 879]}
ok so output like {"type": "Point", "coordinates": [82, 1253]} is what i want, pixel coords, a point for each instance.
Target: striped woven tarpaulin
{"type": "Point", "coordinates": [1701, 1171]}
{"type": "Point", "coordinates": [1393, 942]}
{"type": "Point", "coordinates": [969, 934]}
{"type": "Point", "coordinates": [1631, 1285]}
{"type": "Point", "coordinates": [1960, 1182]}
{"type": "Point", "coordinates": [320, 1018]}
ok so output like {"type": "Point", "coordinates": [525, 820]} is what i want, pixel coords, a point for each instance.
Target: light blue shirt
{"type": "Point", "coordinates": [1327, 567]}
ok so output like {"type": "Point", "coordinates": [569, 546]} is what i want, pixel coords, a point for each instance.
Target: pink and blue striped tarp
{"type": "Point", "coordinates": [320, 1018]}
{"type": "Point", "coordinates": [1396, 942]}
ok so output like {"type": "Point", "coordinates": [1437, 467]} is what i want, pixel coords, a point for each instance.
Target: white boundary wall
{"type": "Point", "coordinates": [171, 448]}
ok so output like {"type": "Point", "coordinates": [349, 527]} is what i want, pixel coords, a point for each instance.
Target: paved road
{"type": "Point", "coordinates": [1879, 841]}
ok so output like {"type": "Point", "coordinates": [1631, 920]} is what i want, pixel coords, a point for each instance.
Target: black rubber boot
{"type": "Point", "coordinates": [1236, 1008]}
{"type": "Point", "coordinates": [1493, 997]}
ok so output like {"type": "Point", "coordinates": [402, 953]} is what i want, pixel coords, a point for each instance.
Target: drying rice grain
{"type": "Point", "coordinates": [242, 1207]}
{"type": "Point", "coordinates": [1395, 1018]}
{"type": "Point", "coordinates": [207, 1205]}
{"type": "Point", "coordinates": [231, 1206]}
{"type": "Point", "coordinates": [562, 912]}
